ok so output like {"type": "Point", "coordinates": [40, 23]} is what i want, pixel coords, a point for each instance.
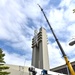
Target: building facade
{"type": "Point", "coordinates": [17, 70]}
{"type": "Point", "coordinates": [40, 57]}
{"type": "Point", "coordinates": [63, 68]}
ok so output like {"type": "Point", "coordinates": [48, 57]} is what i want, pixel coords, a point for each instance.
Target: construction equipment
{"type": "Point", "coordinates": [32, 69]}
{"type": "Point", "coordinates": [61, 49]}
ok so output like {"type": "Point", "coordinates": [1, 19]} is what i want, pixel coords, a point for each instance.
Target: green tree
{"type": "Point", "coordinates": [2, 66]}
{"type": "Point", "coordinates": [73, 10]}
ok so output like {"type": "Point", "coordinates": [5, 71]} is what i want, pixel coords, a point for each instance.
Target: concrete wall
{"type": "Point", "coordinates": [40, 58]}
{"type": "Point", "coordinates": [17, 70]}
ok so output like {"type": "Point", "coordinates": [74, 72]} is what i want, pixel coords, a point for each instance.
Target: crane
{"type": "Point", "coordinates": [61, 49]}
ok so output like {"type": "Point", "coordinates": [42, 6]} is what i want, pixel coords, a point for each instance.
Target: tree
{"type": "Point", "coordinates": [2, 66]}
{"type": "Point", "coordinates": [73, 10]}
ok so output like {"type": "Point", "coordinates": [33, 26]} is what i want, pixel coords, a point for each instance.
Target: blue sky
{"type": "Point", "coordinates": [19, 19]}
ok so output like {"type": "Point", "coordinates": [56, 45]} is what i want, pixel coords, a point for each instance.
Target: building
{"type": "Point", "coordinates": [63, 68]}
{"type": "Point", "coordinates": [17, 70]}
{"type": "Point", "coordinates": [40, 57]}
{"type": "Point", "coordinates": [23, 70]}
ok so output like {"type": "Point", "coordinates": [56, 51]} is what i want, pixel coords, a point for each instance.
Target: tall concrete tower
{"type": "Point", "coordinates": [40, 57]}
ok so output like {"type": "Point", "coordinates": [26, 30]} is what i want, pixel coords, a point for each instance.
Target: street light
{"type": "Point", "coordinates": [72, 42]}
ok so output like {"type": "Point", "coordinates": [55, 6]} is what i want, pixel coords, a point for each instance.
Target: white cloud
{"type": "Point", "coordinates": [55, 57]}
{"type": "Point", "coordinates": [16, 59]}
{"type": "Point", "coordinates": [65, 3]}
{"type": "Point", "coordinates": [61, 20]}
{"type": "Point", "coordinates": [12, 21]}
{"type": "Point", "coordinates": [2, 2]}
{"type": "Point", "coordinates": [14, 26]}
{"type": "Point", "coordinates": [56, 19]}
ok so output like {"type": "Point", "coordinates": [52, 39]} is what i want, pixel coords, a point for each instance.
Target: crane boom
{"type": "Point", "coordinates": [61, 49]}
